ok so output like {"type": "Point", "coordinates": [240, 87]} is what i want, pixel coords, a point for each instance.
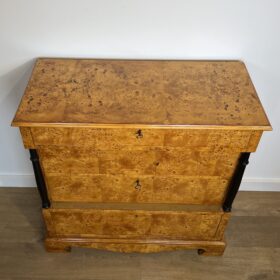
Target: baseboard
{"type": "Point", "coordinates": [260, 184]}
{"type": "Point", "coordinates": [248, 184]}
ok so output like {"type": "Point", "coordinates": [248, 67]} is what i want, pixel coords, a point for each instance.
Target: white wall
{"type": "Point", "coordinates": [216, 29]}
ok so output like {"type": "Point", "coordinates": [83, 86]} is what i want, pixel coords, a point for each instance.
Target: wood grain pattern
{"type": "Point", "coordinates": [132, 224]}
{"type": "Point", "coordinates": [118, 92]}
{"type": "Point", "coordinates": [123, 138]}
{"type": "Point", "coordinates": [154, 189]}
{"type": "Point", "coordinates": [187, 162]}
{"type": "Point", "coordinates": [222, 226]}
{"type": "Point", "coordinates": [97, 138]}
{"type": "Point", "coordinates": [173, 161]}
{"type": "Point", "coordinates": [175, 207]}
{"type": "Point", "coordinates": [27, 138]}
{"type": "Point", "coordinates": [254, 141]}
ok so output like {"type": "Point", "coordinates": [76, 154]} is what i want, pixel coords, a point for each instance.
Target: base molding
{"type": "Point", "coordinates": [64, 244]}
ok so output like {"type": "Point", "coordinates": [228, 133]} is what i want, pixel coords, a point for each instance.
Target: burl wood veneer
{"type": "Point", "coordinates": [139, 156]}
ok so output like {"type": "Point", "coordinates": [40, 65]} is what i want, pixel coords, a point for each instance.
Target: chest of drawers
{"type": "Point", "coordinates": [139, 156]}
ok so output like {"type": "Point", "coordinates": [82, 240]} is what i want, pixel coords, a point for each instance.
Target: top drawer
{"type": "Point", "coordinates": [130, 138]}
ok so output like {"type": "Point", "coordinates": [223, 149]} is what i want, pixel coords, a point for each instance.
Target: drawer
{"type": "Point", "coordinates": [118, 138]}
{"type": "Point", "coordinates": [161, 162]}
{"type": "Point", "coordinates": [108, 223]}
{"type": "Point", "coordinates": [97, 137]}
{"type": "Point", "coordinates": [128, 189]}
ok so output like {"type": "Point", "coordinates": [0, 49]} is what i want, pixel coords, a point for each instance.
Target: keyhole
{"type": "Point", "coordinates": [137, 185]}
{"type": "Point", "coordinates": [139, 134]}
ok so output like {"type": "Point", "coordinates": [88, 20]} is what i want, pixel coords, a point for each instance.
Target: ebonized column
{"type": "Point", "coordinates": [41, 185]}
{"type": "Point", "coordinates": [236, 181]}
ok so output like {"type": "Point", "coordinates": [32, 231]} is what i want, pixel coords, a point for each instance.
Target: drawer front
{"type": "Point", "coordinates": [160, 162]}
{"type": "Point", "coordinates": [128, 189]}
{"type": "Point", "coordinates": [112, 138]}
{"type": "Point", "coordinates": [132, 224]}
{"type": "Point", "coordinates": [97, 137]}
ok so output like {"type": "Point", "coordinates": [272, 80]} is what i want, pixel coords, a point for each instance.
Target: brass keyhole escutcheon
{"type": "Point", "coordinates": [139, 134]}
{"type": "Point", "coordinates": [137, 185]}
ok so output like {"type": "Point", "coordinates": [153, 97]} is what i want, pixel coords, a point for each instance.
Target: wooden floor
{"type": "Point", "coordinates": [253, 250]}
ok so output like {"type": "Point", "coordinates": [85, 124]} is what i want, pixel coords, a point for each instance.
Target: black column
{"type": "Point", "coordinates": [41, 185]}
{"type": "Point", "coordinates": [236, 181]}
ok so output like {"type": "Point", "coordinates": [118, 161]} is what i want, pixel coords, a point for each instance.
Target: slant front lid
{"type": "Point", "coordinates": [89, 92]}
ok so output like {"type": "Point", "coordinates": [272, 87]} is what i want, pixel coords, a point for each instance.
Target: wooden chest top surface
{"type": "Point", "coordinates": [88, 92]}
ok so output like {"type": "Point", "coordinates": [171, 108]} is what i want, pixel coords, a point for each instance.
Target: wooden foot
{"type": "Point", "coordinates": [217, 250]}
{"type": "Point", "coordinates": [56, 247]}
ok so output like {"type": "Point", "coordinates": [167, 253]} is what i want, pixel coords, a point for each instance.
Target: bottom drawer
{"type": "Point", "coordinates": [116, 223]}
